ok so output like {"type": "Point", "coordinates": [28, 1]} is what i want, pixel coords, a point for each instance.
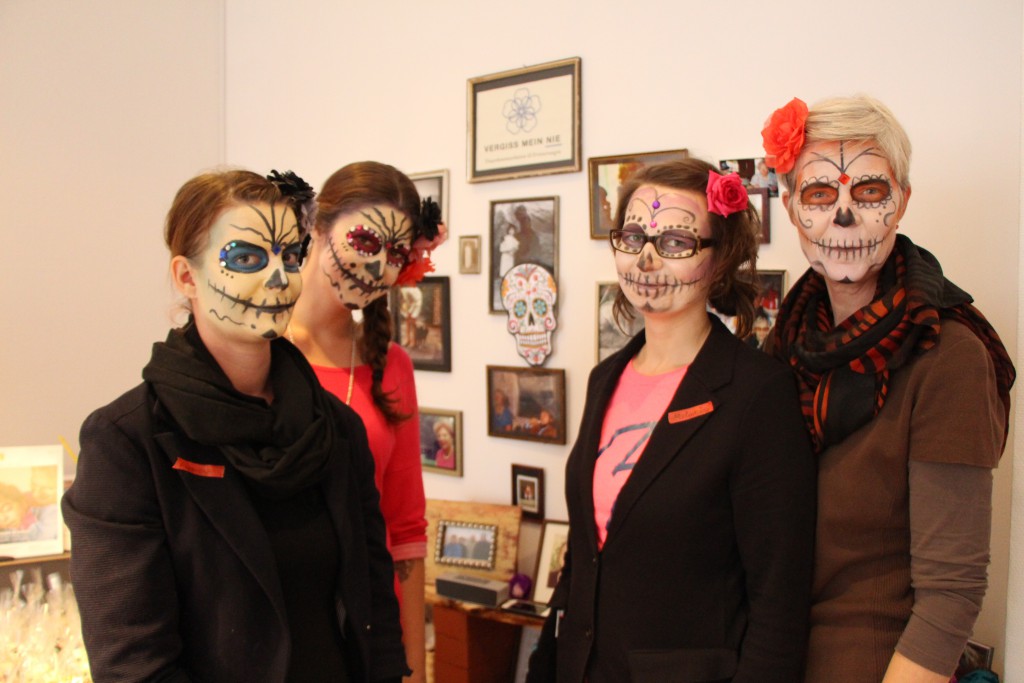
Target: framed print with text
{"type": "Point", "coordinates": [524, 122]}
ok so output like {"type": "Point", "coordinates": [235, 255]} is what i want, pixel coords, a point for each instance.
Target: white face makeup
{"type": "Point", "coordinates": [846, 205]}
{"type": "Point", "coordinates": [363, 253]}
{"type": "Point", "coordinates": [247, 278]}
{"type": "Point", "coordinates": [653, 284]}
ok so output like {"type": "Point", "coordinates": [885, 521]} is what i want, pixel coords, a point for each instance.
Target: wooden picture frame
{"type": "Point", "coordinates": [608, 336]}
{"type": "Point", "coordinates": [421, 322]}
{"type": "Point", "coordinates": [607, 174]}
{"type": "Point", "coordinates": [526, 403]}
{"type": "Point", "coordinates": [522, 231]}
{"type": "Point", "coordinates": [433, 184]}
{"type": "Point", "coordinates": [773, 285]}
{"type": "Point", "coordinates": [441, 441]}
{"type": "Point", "coordinates": [754, 172]}
{"type": "Point", "coordinates": [469, 254]}
{"type": "Point", "coordinates": [528, 490]}
{"type": "Point", "coordinates": [31, 484]}
{"type": "Point", "coordinates": [554, 541]}
{"type": "Point", "coordinates": [758, 197]}
{"type": "Point", "coordinates": [507, 518]}
{"type": "Point", "coordinates": [524, 122]}
{"type": "Point", "coordinates": [465, 544]}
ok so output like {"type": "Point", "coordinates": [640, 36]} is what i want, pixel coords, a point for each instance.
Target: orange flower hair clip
{"type": "Point", "coordinates": [783, 135]}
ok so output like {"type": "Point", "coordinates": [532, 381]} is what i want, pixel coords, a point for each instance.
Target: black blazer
{"type": "Point", "coordinates": [706, 571]}
{"type": "Point", "coordinates": [174, 573]}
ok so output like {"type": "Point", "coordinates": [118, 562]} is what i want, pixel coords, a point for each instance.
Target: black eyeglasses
{"type": "Point", "coordinates": [667, 244]}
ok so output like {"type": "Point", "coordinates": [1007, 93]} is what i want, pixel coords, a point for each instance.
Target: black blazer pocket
{"type": "Point", "coordinates": [704, 665]}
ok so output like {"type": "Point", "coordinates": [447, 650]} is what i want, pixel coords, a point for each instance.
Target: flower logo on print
{"type": "Point", "coordinates": [520, 112]}
{"type": "Point", "coordinates": [529, 293]}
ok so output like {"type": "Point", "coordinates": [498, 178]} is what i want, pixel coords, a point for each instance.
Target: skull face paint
{"type": "Point", "coordinates": [654, 284]}
{"type": "Point", "coordinates": [846, 206]}
{"type": "Point", "coordinates": [247, 278]}
{"type": "Point", "coordinates": [364, 252]}
{"type": "Point", "coordinates": [529, 293]}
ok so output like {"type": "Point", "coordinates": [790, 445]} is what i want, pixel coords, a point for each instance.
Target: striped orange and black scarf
{"type": "Point", "coordinates": [844, 371]}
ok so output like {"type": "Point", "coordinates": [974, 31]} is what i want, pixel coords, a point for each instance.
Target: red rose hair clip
{"type": "Point", "coordinates": [783, 135]}
{"type": "Point", "coordinates": [726, 194]}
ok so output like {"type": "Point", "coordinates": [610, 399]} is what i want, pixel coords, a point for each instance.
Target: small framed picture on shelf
{"type": "Point", "coordinates": [433, 184]}
{"type": "Point", "coordinates": [528, 490]}
{"type": "Point", "coordinates": [441, 441]}
{"type": "Point", "coordinates": [522, 231]}
{"type": "Point", "coordinates": [607, 174]}
{"type": "Point", "coordinates": [554, 542]}
{"type": "Point", "coordinates": [465, 544]}
{"type": "Point", "coordinates": [31, 483]}
{"type": "Point", "coordinates": [524, 122]}
{"type": "Point", "coordinates": [526, 403]}
{"type": "Point", "coordinates": [421, 322]}
{"type": "Point", "coordinates": [610, 335]}
{"type": "Point", "coordinates": [469, 254]}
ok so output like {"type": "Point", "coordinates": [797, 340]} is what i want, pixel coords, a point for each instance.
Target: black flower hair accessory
{"type": "Point", "coordinates": [299, 194]}
{"type": "Point", "coordinates": [430, 217]}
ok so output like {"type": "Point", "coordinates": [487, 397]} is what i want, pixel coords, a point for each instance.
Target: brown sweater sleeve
{"type": "Point", "coordinates": [950, 523]}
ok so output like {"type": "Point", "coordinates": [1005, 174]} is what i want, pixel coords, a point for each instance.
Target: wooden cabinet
{"type": "Point", "coordinates": [475, 644]}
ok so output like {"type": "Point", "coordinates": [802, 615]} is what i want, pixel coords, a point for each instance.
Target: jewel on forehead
{"type": "Point", "coordinates": [654, 224]}
{"type": "Point", "coordinates": [656, 204]}
{"type": "Point", "coordinates": [844, 179]}
{"type": "Point", "coordinates": [276, 249]}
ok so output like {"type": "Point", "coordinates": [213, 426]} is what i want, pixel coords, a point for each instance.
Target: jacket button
{"type": "Point", "coordinates": [588, 634]}
{"type": "Point", "coordinates": [367, 627]}
{"type": "Point", "coordinates": [594, 560]}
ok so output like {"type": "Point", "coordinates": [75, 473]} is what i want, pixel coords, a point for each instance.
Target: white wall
{"type": "Point", "coordinates": [107, 107]}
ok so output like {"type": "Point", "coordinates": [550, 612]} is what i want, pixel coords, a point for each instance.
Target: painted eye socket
{"type": "Point", "coordinates": [819, 194]}
{"type": "Point", "coordinates": [242, 257]}
{"type": "Point", "coordinates": [540, 307]}
{"type": "Point", "coordinates": [519, 308]}
{"type": "Point", "coordinates": [632, 237]}
{"type": "Point", "coordinates": [292, 257]}
{"type": "Point", "coordinates": [676, 243]}
{"type": "Point", "coordinates": [871, 191]}
{"type": "Point", "coordinates": [398, 255]}
{"type": "Point", "coordinates": [366, 242]}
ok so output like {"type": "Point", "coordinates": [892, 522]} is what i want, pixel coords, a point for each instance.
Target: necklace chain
{"type": "Point", "coordinates": [351, 364]}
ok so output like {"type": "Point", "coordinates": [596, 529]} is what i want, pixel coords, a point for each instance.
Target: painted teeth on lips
{"type": "Point", "coordinates": [851, 249]}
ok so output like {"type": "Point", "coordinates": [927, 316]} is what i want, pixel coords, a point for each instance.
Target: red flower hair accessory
{"type": "Point", "coordinates": [419, 263]}
{"type": "Point", "coordinates": [726, 194]}
{"type": "Point", "coordinates": [783, 135]}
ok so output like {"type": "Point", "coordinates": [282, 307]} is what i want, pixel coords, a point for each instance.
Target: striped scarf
{"type": "Point", "coordinates": [844, 371]}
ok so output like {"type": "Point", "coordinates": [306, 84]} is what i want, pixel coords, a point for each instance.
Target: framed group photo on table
{"type": "Point", "coordinates": [606, 175]}
{"type": "Point", "coordinates": [522, 231]}
{"type": "Point", "coordinates": [554, 543]}
{"type": "Point", "coordinates": [31, 483]}
{"type": "Point", "coordinates": [524, 122]}
{"type": "Point", "coordinates": [433, 184]}
{"type": "Point", "coordinates": [528, 490]}
{"type": "Point", "coordinates": [465, 544]}
{"type": "Point", "coordinates": [441, 441]}
{"type": "Point", "coordinates": [526, 403]}
{"type": "Point", "coordinates": [421, 322]}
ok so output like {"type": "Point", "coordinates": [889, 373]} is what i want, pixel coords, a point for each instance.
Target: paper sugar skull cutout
{"type": "Point", "coordinates": [528, 293]}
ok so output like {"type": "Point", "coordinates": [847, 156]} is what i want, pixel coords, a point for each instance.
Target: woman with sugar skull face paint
{"type": "Point", "coordinates": [905, 392]}
{"type": "Point", "coordinates": [224, 515]}
{"type": "Point", "coordinates": [372, 233]}
{"type": "Point", "coordinates": [690, 487]}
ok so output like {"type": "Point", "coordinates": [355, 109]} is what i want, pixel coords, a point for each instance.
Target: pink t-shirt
{"type": "Point", "coordinates": [395, 448]}
{"type": "Point", "coordinates": [635, 408]}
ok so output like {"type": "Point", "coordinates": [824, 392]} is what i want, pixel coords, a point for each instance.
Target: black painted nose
{"type": "Point", "coordinates": [844, 220]}
{"type": "Point", "coordinates": [374, 268]}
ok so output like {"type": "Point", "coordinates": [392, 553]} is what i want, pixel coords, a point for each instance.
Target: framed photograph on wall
{"type": "Point", "coordinates": [524, 122]}
{"type": "Point", "coordinates": [433, 184]}
{"type": "Point", "coordinates": [465, 544]}
{"type": "Point", "coordinates": [754, 172]}
{"type": "Point", "coordinates": [528, 490]}
{"type": "Point", "coordinates": [759, 200]}
{"type": "Point", "coordinates": [421, 322]}
{"type": "Point", "coordinates": [610, 337]}
{"type": "Point", "coordinates": [526, 403]}
{"type": "Point", "coordinates": [469, 254]}
{"type": "Point", "coordinates": [522, 231]}
{"type": "Point", "coordinates": [31, 483]}
{"type": "Point", "coordinates": [441, 441]}
{"type": "Point", "coordinates": [766, 307]}
{"type": "Point", "coordinates": [607, 174]}
{"type": "Point", "coordinates": [554, 541]}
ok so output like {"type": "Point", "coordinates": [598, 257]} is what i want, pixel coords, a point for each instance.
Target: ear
{"type": "Point", "coordinates": [785, 196]}
{"type": "Point", "coordinates": [903, 209]}
{"type": "Point", "coordinates": [183, 277]}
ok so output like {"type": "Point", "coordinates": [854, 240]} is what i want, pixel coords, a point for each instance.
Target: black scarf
{"type": "Point", "coordinates": [844, 371]}
{"type": "Point", "coordinates": [280, 448]}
